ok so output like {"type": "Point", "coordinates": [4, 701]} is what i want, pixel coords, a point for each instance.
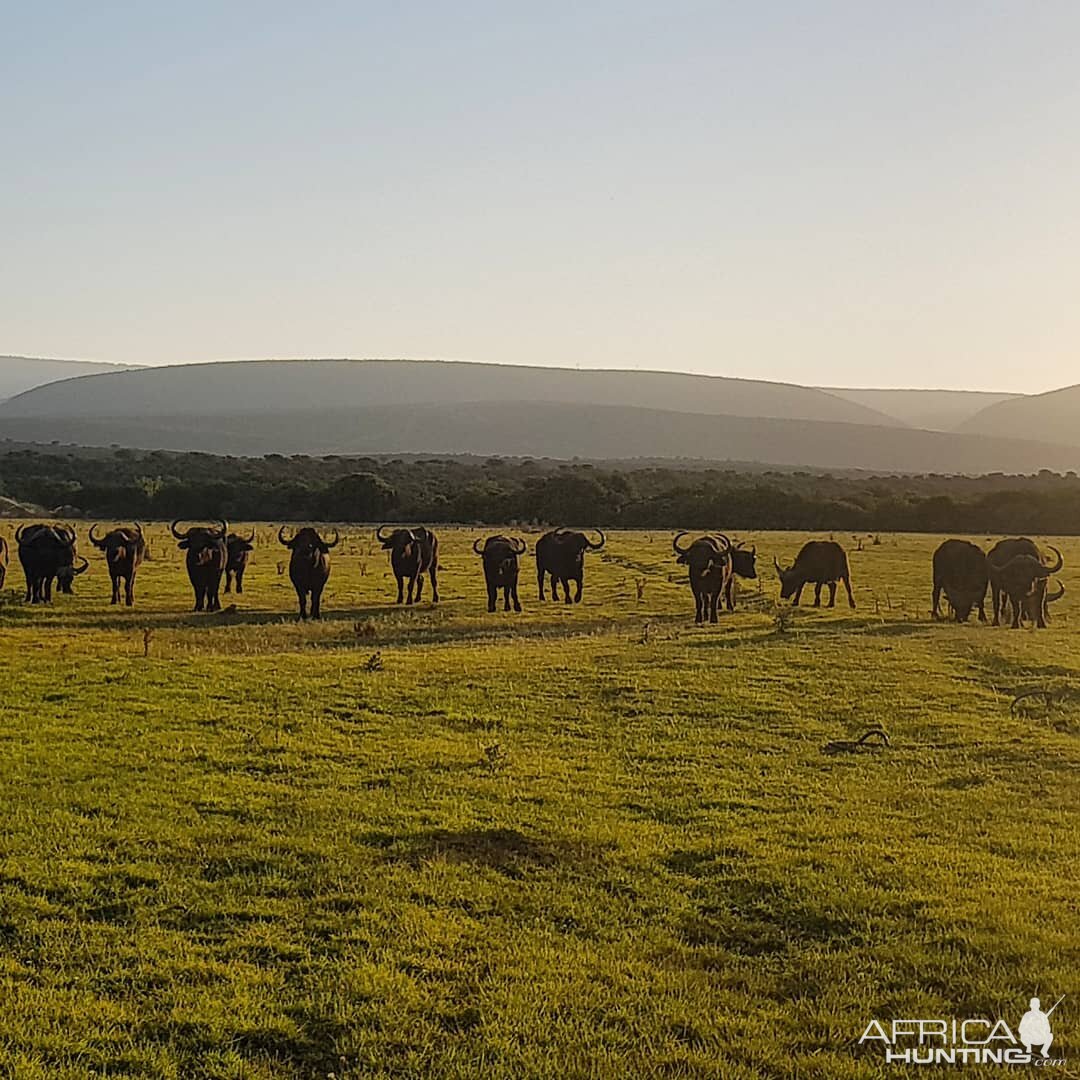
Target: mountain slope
{"type": "Point", "coordinates": [21, 373]}
{"type": "Point", "coordinates": [935, 410]}
{"type": "Point", "coordinates": [556, 430]}
{"type": "Point", "coordinates": [268, 386]}
{"type": "Point", "coordinates": [1054, 416]}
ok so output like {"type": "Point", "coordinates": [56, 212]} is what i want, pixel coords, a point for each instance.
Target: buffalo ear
{"type": "Point", "coordinates": [681, 559]}
{"type": "Point", "coordinates": [184, 544]}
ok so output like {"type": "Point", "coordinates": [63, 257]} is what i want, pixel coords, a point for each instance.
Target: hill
{"type": "Point", "coordinates": [935, 410]}
{"type": "Point", "coordinates": [274, 386]}
{"type": "Point", "coordinates": [1054, 416]}
{"type": "Point", "coordinates": [516, 429]}
{"type": "Point", "coordinates": [388, 406]}
{"type": "Point", "coordinates": [21, 373]}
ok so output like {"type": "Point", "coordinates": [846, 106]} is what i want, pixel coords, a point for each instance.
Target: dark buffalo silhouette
{"type": "Point", "coordinates": [3, 560]}
{"type": "Point", "coordinates": [709, 561]}
{"type": "Point", "coordinates": [744, 565]}
{"type": "Point", "coordinates": [413, 553]}
{"type": "Point", "coordinates": [238, 551]}
{"type": "Point", "coordinates": [124, 549]}
{"type": "Point", "coordinates": [309, 566]}
{"type": "Point", "coordinates": [1001, 553]}
{"type": "Point", "coordinates": [47, 552]}
{"type": "Point", "coordinates": [1023, 581]}
{"type": "Point", "coordinates": [561, 553]}
{"type": "Point", "coordinates": [961, 572]}
{"type": "Point", "coordinates": [206, 556]}
{"type": "Point", "coordinates": [819, 562]}
{"type": "Point", "coordinates": [500, 558]}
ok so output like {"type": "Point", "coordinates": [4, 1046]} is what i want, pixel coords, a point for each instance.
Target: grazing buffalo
{"type": "Point", "coordinates": [309, 566]}
{"type": "Point", "coordinates": [413, 553]}
{"type": "Point", "coordinates": [1001, 553]}
{"type": "Point", "coordinates": [744, 565]}
{"type": "Point", "coordinates": [124, 549]}
{"type": "Point", "coordinates": [206, 556]}
{"type": "Point", "coordinates": [3, 560]}
{"type": "Point", "coordinates": [500, 556]}
{"type": "Point", "coordinates": [709, 561]}
{"type": "Point", "coordinates": [1023, 581]}
{"type": "Point", "coordinates": [47, 552]}
{"type": "Point", "coordinates": [820, 562]}
{"type": "Point", "coordinates": [238, 551]}
{"type": "Point", "coordinates": [961, 571]}
{"type": "Point", "coordinates": [562, 555]}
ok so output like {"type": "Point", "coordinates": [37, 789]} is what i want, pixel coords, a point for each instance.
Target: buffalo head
{"type": "Point", "coordinates": [744, 561]}
{"type": "Point", "coordinates": [307, 541]}
{"type": "Point", "coordinates": [703, 553]}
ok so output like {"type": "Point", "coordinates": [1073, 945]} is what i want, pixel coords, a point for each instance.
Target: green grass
{"type": "Point", "coordinates": [588, 841]}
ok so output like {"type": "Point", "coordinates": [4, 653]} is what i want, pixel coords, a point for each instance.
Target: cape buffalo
{"type": "Point", "coordinates": [1001, 553]}
{"type": "Point", "coordinates": [960, 569]}
{"type": "Point", "coordinates": [821, 562]}
{"type": "Point", "coordinates": [124, 549]}
{"type": "Point", "coordinates": [47, 552]}
{"type": "Point", "coordinates": [500, 556]}
{"type": "Point", "coordinates": [562, 555]}
{"type": "Point", "coordinates": [206, 555]}
{"type": "Point", "coordinates": [237, 554]}
{"type": "Point", "coordinates": [3, 560]}
{"type": "Point", "coordinates": [309, 566]}
{"type": "Point", "coordinates": [744, 565]}
{"type": "Point", "coordinates": [709, 560]}
{"type": "Point", "coordinates": [413, 553]}
{"type": "Point", "coordinates": [1023, 581]}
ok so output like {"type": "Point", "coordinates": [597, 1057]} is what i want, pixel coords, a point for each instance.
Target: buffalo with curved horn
{"type": "Point", "coordinates": [238, 551]}
{"type": "Point", "coordinates": [819, 562]}
{"type": "Point", "coordinates": [996, 558]}
{"type": "Point", "coordinates": [47, 552]}
{"type": "Point", "coordinates": [206, 554]}
{"type": "Point", "coordinates": [709, 561]}
{"type": "Point", "coordinates": [309, 566]}
{"type": "Point", "coordinates": [500, 559]}
{"type": "Point", "coordinates": [124, 549]}
{"type": "Point", "coordinates": [1023, 581]}
{"type": "Point", "coordinates": [561, 553]}
{"type": "Point", "coordinates": [413, 553]}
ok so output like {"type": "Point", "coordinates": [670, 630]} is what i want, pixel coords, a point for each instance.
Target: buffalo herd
{"type": "Point", "coordinates": [1016, 571]}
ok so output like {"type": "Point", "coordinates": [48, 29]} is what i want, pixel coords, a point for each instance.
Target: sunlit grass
{"type": "Point", "coordinates": [589, 840]}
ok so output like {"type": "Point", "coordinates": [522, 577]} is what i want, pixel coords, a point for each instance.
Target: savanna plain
{"type": "Point", "coordinates": [588, 840]}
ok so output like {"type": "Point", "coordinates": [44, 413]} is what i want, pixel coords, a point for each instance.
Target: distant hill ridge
{"type": "Point", "coordinates": [21, 373]}
{"type": "Point", "coordinates": [442, 407]}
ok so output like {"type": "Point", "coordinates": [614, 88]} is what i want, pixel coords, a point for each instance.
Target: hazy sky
{"type": "Point", "coordinates": [862, 193]}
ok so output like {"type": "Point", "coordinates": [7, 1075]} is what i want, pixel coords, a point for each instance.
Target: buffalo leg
{"type": "Point", "coordinates": [540, 582]}
{"type": "Point", "coordinates": [554, 587]}
{"type": "Point", "coordinates": [982, 609]}
{"type": "Point", "coordinates": [797, 597]}
{"type": "Point", "coordinates": [579, 582]}
{"type": "Point", "coordinates": [239, 580]}
{"type": "Point", "coordinates": [935, 608]}
{"type": "Point", "coordinates": [832, 594]}
{"type": "Point", "coordinates": [413, 595]}
{"type": "Point", "coordinates": [817, 594]}
{"type": "Point", "coordinates": [400, 589]}
{"type": "Point", "coordinates": [213, 600]}
{"type": "Point", "coordinates": [714, 600]}
{"type": "Point", "coordinates": [847, 585]}
{"type": "Point", "coordinates": [115, 591]}
{"type": "Point", "coordinates": [566, 591]}
{"type": "Point", "coordinates": [200, 597]}
{"type": "Point", "coordinates": [493, 592]}
{"type": "Point", "coordinates": [316, 602]}
{"type": "Point", "coordinates": [301, 596]}
{"type": "Point", "coordinates": [506, 598]}
{"type": "Point", "coordinates": [129, 591]}
{"type": "Point", "coordinates": [433, 574]}
{"type": "Point", "coordinates": [517, 602]}
{"type": "Point", "coordinates": [228, 581]}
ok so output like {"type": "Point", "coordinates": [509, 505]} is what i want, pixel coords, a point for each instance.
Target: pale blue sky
{"type": "Point", "coordinates": [835, 193]}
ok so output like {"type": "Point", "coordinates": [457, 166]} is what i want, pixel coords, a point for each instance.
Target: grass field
{"type": "Point", "coordinates": [586, 841]}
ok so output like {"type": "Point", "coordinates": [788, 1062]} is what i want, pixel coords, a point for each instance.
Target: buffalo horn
{"type": "Point", "coordinates": [675, 543]}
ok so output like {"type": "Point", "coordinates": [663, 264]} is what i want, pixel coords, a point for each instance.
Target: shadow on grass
{"type": "Point", "coordinates": [506, 851]}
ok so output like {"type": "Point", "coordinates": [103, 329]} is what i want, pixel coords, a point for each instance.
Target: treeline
{"type": "Point", "coordinates": [121, 484]}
